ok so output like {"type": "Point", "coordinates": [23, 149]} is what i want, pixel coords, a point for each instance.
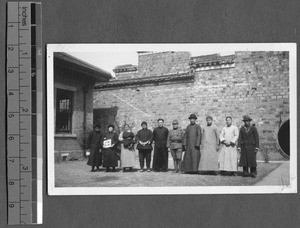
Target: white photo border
{"type": "Point", "coordinates": [214, 47]}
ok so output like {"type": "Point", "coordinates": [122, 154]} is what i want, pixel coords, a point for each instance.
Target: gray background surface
{"type": "Point", "coordinates": [170, 21]}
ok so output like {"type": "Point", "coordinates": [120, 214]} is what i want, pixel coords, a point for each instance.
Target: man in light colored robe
{"type": "Point", "coordinates": [228, 158]}
{"type": "Point", "coordinates": [210, 147]}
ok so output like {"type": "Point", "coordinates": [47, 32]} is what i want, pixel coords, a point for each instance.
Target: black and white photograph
{"type": "Point", "coordinates": [130, 119]}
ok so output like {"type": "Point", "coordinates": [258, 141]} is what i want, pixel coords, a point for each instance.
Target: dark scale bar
{"type": "Point", "coordinates": [33, 79]}
{"type": "Point", "coordinates": [34, 168]}
{"type": "Point", "coordinates": [34, 137]}
{"type": "Point", "coordinates": [33, 56]}
{"type": "Point", "coordinates": [33, 14]}
{"type": "Point", "coordinates": [34, 190]}
{"type": "Point", "coordinates": [34, 211]}
{"type": "Point", "coordinates": [33, 118]}
{"type": "Point", "coordinates": [33, 103]}
{"type": "Point", "coordinates": [33, 34]}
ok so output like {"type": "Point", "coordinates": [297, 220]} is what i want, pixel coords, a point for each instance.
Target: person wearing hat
{"type": "Point", "coordinates": [248, 145]}
{"type": "Point", "coordinates": [94, 148]}
{"type": "Point", "coordinates": [228, 157]}
{"type": "Point", "coordinates": [174, 144]}
{"type": "Point", "coordinates": [144, 138]}
{"type": "Point", "coordinates": [160, 156]}
{"type": "Point", "coordinates": [210, 147]}
{"type": "Point", "coordinates": [110, 142]}
{"type": "Point", "coordinates": [191, 146]}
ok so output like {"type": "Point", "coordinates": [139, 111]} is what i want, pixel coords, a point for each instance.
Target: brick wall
{"type": "Point", "coordinates": [69, 80]}
{"type": "Point", "coordinates": [157, 64]}
{"type": "Point", "coordinates": [163, 63]}
{"type": "Point", "coordinates": [257, 84]}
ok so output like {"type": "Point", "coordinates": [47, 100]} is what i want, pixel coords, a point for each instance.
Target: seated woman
{"type": "Point", "coordinates": [110, 142]}
{"type": "Point", "coordinates": [127, 148]}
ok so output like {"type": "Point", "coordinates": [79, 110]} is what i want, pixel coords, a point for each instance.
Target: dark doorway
{"type": "Point", "coordinates": [284, 137]}
{"type": "Point", "coordinates": [105, 117]}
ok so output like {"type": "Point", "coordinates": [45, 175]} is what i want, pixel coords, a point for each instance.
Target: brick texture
{"type": "Point", "coordinates": [82, 86]}
{"type": "Point", "coordinates": [258, 85]}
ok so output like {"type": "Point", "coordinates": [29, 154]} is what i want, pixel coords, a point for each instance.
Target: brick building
{"type": "Point", "coordinates": [74, 81]}
{"type": "Point", "coordinates": [172, 85]}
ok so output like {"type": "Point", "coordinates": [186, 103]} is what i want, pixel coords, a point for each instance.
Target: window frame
{"type": "Point", "coordinates": [67, 112]}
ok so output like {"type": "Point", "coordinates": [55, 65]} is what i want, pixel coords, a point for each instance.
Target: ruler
{"type": "Point", "coordinates": [24, 113]}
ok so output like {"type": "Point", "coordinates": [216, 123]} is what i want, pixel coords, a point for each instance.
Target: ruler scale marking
{"type": "Point", "coordinates": [24, 191]}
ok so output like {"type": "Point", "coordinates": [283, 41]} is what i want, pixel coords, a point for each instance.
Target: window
{"type": "Point", "coordinates": [64, 111]}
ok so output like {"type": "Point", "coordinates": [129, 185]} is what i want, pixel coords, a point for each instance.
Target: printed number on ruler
{"type": "Point", "coordinates": [23, 32]}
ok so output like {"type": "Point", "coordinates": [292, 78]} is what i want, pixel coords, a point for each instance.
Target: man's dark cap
{"type": "Point", "coordinates": [209, 118]}
{"type": "Point", "coordinates": [246, 118]}
{"type": "Point", "coordinates": [144, 122]}
{"type": "Point", "coordinates": [193, 116]}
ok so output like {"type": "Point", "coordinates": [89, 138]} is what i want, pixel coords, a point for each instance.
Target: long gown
{"type": "Point", "coordinates": [191, 139]}
{"type": "Point", "coordinates": [160, 156]}
{"type": "Point", "coordinates": [209, 153]}
{"type": "Point", "coordinates": [127, 155]}
{"type": "Point", "coordinates": [228, 158]}
{"type": "Point", "coordinates": [94, 144]}
{"type": "Point", "coordinates": [110, 158]}
{"type": "Point", "coordinates": [248, 141]}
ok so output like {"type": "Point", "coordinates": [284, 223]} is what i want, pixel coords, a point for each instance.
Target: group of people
{"type": "Point", "coordinates": [221, 152]}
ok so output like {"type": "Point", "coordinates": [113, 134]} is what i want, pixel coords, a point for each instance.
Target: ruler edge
{"type": "Point", "coordinates": [39, 114]}
{"type": "Point", "coordinates": [7, 105]}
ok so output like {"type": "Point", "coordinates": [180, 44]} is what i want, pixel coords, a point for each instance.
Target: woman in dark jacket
{"type": "Point", "coordinates": [144, 138]}
{"type": "Point", "coordinates": [110, 142]}
{"type": "Point", "coordinates": [94, 145]}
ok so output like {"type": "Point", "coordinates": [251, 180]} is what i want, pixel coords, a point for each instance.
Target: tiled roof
{"type": "Point", "coordinates": [125, 68]}
{"type": "Point", "coordinates": [146, 80]}
{"type": "Point", "coordinates": [211, 60]}
{"type": "Point", "coordinates": [67, 60]}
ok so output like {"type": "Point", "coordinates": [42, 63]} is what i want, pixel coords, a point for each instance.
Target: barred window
{"type": "Point", "coordinates": [64, 111]}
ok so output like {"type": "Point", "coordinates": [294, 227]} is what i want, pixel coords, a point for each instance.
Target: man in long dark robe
{"type": "Point", "coordinates": [248, 145]}
{"type": "Point", "coordinates": [94, 145]}
{"type": "Point", "coordinates": [191, 145]}
{"type": "Point", "coordinates": [160, 157]}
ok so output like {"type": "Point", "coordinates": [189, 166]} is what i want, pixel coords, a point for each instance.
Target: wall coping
{"type": "Point", "coordinates": [202, 61]}
{"type": "Point", "coordinates": [146, 80]}
{"type": "Point", "coordinates": [125, 68]}
{"type": "Point", "coordinates": [212, 61]}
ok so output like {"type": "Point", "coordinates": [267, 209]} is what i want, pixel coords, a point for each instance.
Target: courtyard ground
{"type": "Point", "coordinates": [77, 174]}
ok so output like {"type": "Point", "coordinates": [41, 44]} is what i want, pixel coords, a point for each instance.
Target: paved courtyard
{"type": "Point", "coordinates": [77, 174]}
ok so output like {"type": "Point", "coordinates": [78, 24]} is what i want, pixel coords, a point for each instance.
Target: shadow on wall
{"type": "Point", "coordinates": [105, 117]}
